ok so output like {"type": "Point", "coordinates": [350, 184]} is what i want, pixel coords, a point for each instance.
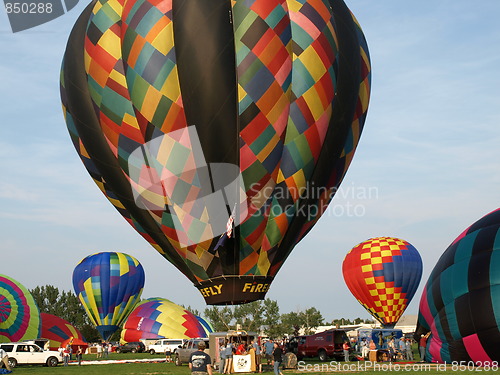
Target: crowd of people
{"type": "Point", "coordinates": [103, 349]}
{"type": "Point", "coordinates": [66, 353]}
{"type": "Point", "coordinates": [270, 351]}
{"type": "Point", "coordinates": [397, 348]}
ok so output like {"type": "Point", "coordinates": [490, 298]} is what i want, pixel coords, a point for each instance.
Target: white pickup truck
{"type": "Point", "coordinates": [165, 346]}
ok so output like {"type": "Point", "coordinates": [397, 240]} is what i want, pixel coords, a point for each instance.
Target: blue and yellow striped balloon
{"type": "Point", "coordinates": [109, 285]}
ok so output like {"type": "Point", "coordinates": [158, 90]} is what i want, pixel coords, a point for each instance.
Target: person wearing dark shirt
{"type": "Point", "coordinates": [277, 359]}
{"type": "Point", "coordinates": [200, 362]}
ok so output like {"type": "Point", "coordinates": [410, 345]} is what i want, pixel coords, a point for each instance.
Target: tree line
{"type": "Point", "coordinates": [66, 305]}
{"type": "Point", "coordinates": [259, 316]}
{"type": "Point", "coordinates": [264, 316]}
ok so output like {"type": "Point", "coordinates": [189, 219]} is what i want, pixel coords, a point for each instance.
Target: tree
{"type": "Point", "coordinates": [47, 299]}
{"type": "Point", "coordinates": [272, 319]}
{"type": "Point", "coordinates": [291, 323]}
{"type": "Point", "coordinates": [310, 319]}
{"type": "Point", "coordinates": [66, 306]}
{"type": "Point", "coordinates": [249, 316]}
{"type": "Point", "coordinates": [220, 317]}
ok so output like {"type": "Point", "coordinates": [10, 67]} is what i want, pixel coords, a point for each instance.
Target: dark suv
{"type": "Point", "coordinates": [132, 347]}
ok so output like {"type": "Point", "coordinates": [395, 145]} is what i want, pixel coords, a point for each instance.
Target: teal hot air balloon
{"type": "Point", "coordinates": [109, 285]}
{"type": "Point", "coordinates": [220, 130]}
{"type": "Point", "coordinates": [460, 304]}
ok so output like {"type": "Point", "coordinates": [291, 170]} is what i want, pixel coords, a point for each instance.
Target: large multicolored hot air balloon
{"type": "Point", "coordinates": [156, 318]}
{"type": "Point", "coordinates": [383, 274]}
{"type": "Point", "coordinates": [109, 285]}
{"type": "Point", "coordinates": [59, 331]}
{"type": "Point", "coordinates": [19, 313]}
{"type": "Point", "coordinates": [460, 304]}
{"type": "Point", "coordinates": [220, 130]}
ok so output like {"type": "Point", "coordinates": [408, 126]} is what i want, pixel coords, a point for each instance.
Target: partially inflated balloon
{"type": "Point", "coordinates": [207, 327]}
{"type": "Point", "coordinates": [193, 115]}
{"type": "Point", "coordinates": [156, 318]}
{"type": "Point", "coordinates": [19, 313]}
{"type": "Point", "coordinates": [109, 285]}
{"type": "Point", "coordinates": [460, 304]}
{"type": "Point", "coordinates": [383, 274]}
{"type": "Point", "coordinates": [58, 331]}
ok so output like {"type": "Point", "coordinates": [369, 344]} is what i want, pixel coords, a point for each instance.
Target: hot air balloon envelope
{"type": "Point", "coordinates": [383, 274]}
{"type": "Point", "coordinates": [59, 331]}
{"type": "Point", "coordinates": [109, 285]}
{"type": "Point", "coordinates": [19, 313]}
{"type": "Point", "coordinates": [220, 130]}
{"type": "Point", "coordinates": [160, 318]}
{"type": "Point", "coordinates": [460, 305]}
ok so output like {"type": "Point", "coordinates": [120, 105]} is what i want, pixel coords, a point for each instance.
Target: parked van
{"type": "Point", "coordinates": [324, 345]}
{"type": "Point", "coordinates": [165, 346]}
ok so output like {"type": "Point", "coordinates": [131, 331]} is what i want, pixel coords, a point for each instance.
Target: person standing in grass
{"type": "Point", "coordinates": [66, 355]}
{"type": "Point", "coordinates": [200, 362]}
{"type": "Point", "coordinates": [258, 356]}
{"type": "Point", "coordinates": [422, 346]}
{"type": "Point", "coordinates": [345, 348]}
{"type": "Point", "coordinates": [79, 353]}
{"type": "Point", "coordinates": [223, 357]}
{"type": "Point", "coordinates": [277, 359]}
{"type": "Point", "coordinates": [105, 348]}
{"type": "Point", "coordinates": [409, 350]}
{"type": "Point", "coordinates": [268, 350]}
{"type": "Point", "coordinates": [99, 350]}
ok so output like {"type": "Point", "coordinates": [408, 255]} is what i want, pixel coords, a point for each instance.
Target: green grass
{"type": "Point", "coordinates": [310, 367]}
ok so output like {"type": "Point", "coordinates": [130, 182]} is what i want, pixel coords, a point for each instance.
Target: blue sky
{"type": "Point", "coordinates": [427, 165]}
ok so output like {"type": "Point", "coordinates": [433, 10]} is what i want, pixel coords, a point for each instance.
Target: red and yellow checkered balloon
{"type": "Point", "coordinates": [383, 274]}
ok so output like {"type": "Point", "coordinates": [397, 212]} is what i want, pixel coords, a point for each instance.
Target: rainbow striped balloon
{"type": "Point", "coordinates": [19, 313]}
{"type": "Point", "coordinates": [160, 318]}
{"type": "Point", "coordinates": [206, 325]}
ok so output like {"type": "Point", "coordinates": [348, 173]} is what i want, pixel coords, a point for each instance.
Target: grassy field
{"type": "Point", "coordinates": [309, 367]}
